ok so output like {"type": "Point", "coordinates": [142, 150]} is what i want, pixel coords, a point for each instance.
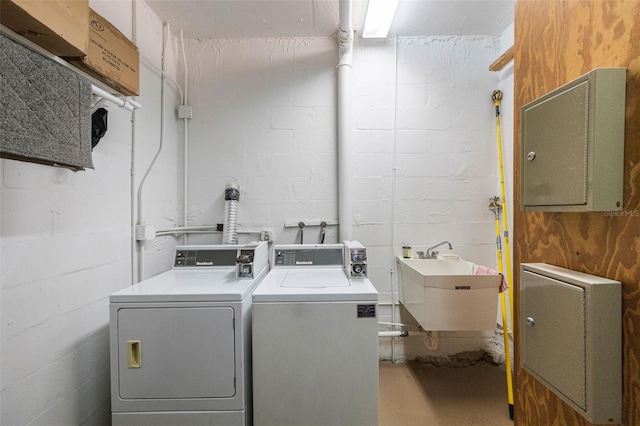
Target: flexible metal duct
{"type": "Point", "coordinates": [231, 200]}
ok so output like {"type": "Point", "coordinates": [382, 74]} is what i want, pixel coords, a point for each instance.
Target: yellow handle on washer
{"type": "Point", "coordinates": [134, 354]}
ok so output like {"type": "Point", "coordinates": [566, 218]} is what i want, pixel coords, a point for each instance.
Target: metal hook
{"type": "Point", "coordinates": [301, 227]}
{"type": "Point", "coordinates": [323, 225]}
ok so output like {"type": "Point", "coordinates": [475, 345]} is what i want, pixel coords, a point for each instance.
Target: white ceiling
{"type": "Point", "coordinates": [319, 18]}
{"type": "Point", "coordinates": [452, 17]}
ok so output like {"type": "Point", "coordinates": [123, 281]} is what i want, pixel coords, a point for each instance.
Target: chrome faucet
{"type": "Point", "coordinates": [434, 254]}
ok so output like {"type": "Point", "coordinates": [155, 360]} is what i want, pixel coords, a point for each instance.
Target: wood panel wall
{"type": "Point", "coordinates": [555, 42]}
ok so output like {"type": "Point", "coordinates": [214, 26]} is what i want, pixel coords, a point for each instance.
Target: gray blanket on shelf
{"type": "Point", "coordinates": [45, 109]}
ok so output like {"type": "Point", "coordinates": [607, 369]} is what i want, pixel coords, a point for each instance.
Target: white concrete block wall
{"type": "Point", "coordinates": [65, 245]}
{"type": "Point", "coordinates": [426, 162]}
{"type": "Point", "coordinates": [446, 161]}
{"type": "Point", "coordinates": [264, 117]}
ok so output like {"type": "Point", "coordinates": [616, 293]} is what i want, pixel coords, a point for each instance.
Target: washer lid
{"type": "Point", "coordinates": [299, 278]}
{"type": "Point", "coordinates": [313, 285]}
{"type": "Point", "coordinates": [194, 285]}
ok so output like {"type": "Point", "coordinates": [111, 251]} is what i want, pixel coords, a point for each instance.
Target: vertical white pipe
{"type": "Point", "coordinates": [185, 218]}
{"type": "Point", "coordinates": [134, 243]}
{"type": "Point", "coordinates": [394, 243]}
{"type": "Point", "coordinates": [185, 101]}
{"type": "Point", "coordinates": [165, 36]}
{"type": "Point", "coordinates": [345, 71]}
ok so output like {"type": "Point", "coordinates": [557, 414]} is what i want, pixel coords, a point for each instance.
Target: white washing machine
{"type": "Point", "coordinates": [180, 341]}
{"type": "Point", "coordinates": [315, 338]}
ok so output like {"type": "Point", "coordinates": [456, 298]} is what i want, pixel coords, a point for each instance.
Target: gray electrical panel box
{"type": "Point", "coordinates": [572, 144]}
{"type": "Point", "coordinates": [571, 338]}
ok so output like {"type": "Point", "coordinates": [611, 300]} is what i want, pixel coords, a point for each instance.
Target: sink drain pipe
{"type": "Point", "coordinates": [397, 333]}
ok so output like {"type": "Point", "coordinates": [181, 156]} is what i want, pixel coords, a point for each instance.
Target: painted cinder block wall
{"type": "Point", "coordinates": [424, 151]}
{"type": "Point", "coordinates": [264, 116]}
{"type": "Point", "coordinates": [66, 245]}
{"type": "Point", "coordinates": [440, 161]}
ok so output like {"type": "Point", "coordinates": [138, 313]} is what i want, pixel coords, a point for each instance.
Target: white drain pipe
{"type": "Point", "coordinates": [141, 244]}
{"type": "Point", "coordinates": [345, 120]}
{"type": "Point", "coordinates": [398, 333]}
{"type": "Point", "coordinates": [126, 103]}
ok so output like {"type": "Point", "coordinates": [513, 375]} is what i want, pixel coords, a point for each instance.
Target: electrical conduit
{"type": "Point", "coordinates": [185, 100]}
{"type": "Point", "coordinates": [160, 145]}
{"type": "Point", "coordinates": [132, 178]}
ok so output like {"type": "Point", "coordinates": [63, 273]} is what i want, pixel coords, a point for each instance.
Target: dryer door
{"type": "Point", "coordinates": [176, 352]}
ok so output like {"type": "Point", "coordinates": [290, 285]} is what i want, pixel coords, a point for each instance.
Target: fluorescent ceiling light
{"type": "Point", "coordinates": [379, 16]}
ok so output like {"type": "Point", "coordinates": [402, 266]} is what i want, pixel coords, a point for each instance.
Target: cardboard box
{"type": "Point", "coordinates": [75, 32]}
{"type": "Point", "coordinates": [60, 26]}
{"type": "Point", "coordinates": [110, 56]}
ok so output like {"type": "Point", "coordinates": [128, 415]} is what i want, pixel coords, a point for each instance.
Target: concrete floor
{"type": "Point", "coordinates": [415, 393]}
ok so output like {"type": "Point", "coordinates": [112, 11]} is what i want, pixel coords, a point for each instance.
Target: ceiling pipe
{"type": "Point", "coordinates": [128, 104]}
{"type": "Point", "coordinates": [345, 121]}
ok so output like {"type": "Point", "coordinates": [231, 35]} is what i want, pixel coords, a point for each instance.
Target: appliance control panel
{"type": "Point", "coordinates": [247, 260]}
{"type": "Point", "coordinates": [203, 257]}
{"type": "Point", "coordinates": [244, 263]}
{"type": "Point", "coordinates": [356, 259]}
{"type": "Point", "coordinates": [308, 255]}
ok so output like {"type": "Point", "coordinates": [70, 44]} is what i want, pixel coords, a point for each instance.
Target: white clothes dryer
{"type": "Point", "coordinates": [315, 338]}
{"type": "Point", "coordinates": [180, 341]}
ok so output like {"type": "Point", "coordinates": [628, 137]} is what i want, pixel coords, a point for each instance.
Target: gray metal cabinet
{"type": "Point", "coordinates": [554, 334]}
{"type": "Point", "coordinates": [571, 337]}
{"type": "Point", "coordinates": [573, 145]}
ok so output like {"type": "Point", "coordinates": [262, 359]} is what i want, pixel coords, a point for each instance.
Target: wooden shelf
{"type": "Point", "coordinates": [503, 60]}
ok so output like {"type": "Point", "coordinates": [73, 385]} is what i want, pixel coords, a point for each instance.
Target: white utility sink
{"type": "Point", "coordinates": [446, 294]}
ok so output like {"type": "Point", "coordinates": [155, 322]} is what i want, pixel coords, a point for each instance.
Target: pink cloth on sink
{"type": "Point", "coordinates": [483, 270]}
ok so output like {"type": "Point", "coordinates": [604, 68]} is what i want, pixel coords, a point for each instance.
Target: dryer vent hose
{"type": "Point", "coordinates": [231, 199]}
